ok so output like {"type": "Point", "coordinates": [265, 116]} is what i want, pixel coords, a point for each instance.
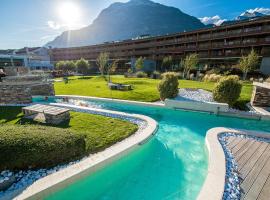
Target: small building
{"type": "Point", "coordinates": [37, 58]}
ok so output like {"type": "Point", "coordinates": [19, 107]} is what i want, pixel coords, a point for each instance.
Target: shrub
{"type": "Point", "coordinates": [200, 76]}
{"type": "Point", "coordinates": [156, 75]}
{"type": "Point", "coordinates": [235, 77]}
{"type": "Point", "coordinates": [227, 90]}
{"type": "Point", "coordinates": [261, 80]}
{"type": "Point", "coordinates": [267, 80]}
{"type": "Point", "coordinates": [33, 146]}
{"type": "Point", "coordinates": [191, 76]}
{"type": "Point", "coordinates": [212, 78]}
{"type": "Point", "coordinates": [215, 78]}
{"type": "Point", "coordinates": [214, 71]}
{"type": "Point", "coordinates": [179, 75]}
{"type": "Point", "coordinates": [141, 74]}
{"type": "Point", "coordinates": [168, 86]}
{"type": "Point", "coordinates": [206, 78]}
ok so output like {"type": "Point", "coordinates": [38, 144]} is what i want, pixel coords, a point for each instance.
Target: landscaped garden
{"type": "Point", "coordinates": [144, 89]}
{"type": "Point", "coordinates": [25, 143]}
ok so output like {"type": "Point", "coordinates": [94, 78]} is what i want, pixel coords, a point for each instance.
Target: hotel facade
{"type": "Point", "coordinates": [217, 46]}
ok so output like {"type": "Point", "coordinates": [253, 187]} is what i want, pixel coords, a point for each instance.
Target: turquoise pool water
{"type": "Point", "coordinates": [172, 165]}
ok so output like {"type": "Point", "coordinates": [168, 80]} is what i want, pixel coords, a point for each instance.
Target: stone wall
{"type": "Point", "coordinates": [15, 94]}
{"type": "Point", "coordinates": [21, 93]}
{"type": "Point", "coordinates": [261, 96]}
{"type": "Point", "coordinates": [43, 89]}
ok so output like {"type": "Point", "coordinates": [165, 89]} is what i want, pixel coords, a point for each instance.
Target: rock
{"type": "Point", "coordinates": [7, 183]}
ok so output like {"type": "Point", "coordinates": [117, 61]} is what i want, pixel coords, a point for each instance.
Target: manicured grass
{"type": "Point", "coordinates": [145, 89]}
{"type": "Point", "coordinates": [99, 132]}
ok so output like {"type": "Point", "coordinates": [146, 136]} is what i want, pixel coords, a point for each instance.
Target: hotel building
{"type": "Point", "coordinates": [221, 45]}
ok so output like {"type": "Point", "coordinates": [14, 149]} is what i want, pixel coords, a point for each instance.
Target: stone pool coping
{"type": "Point", "coordinates": [58, 180]}
{"type": "Point", "coordinates": [213, 187]}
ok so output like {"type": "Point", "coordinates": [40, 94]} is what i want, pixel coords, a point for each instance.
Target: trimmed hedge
{"type": "Point", "coordinates": [227, 90]}
{"type": "Point", "coordinates": [168, 86]}
{"type": "Point", "coordinates": [141, 74]}
{"type": "Point", "coordinates": [33, 146]}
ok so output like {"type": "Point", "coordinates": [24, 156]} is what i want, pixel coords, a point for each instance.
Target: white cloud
{"type": "Point", "coordinates": [54, 25]}
{"type": "Point", "coordinates": [212, 20]}
{"type": "Point", "coordinates": [265, 11]}
{"type": "Point", "coordinates": [62, 26]}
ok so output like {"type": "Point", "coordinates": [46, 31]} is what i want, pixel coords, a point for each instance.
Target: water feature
{"type": "Point", "coordinates": [172, 165]}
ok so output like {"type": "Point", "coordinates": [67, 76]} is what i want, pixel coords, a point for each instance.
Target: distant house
{"type": "Point", "coordinates": [37, 58]}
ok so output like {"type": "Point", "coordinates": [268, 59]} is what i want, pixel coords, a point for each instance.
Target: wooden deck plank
{"type": "Point", "coordinates": [234, 142]}
{"type": "Point", "coordinates": [248, 154]}
{"type": "Point", "coordinates": [230, 140]}
{"type": "Point", "coordinates": [240, 145]}
{"type": "Point", "coordinates": [264, 195]}
{"type": "Point", "coordinates": [254, 172]}
{"type": "Point", "coordinates": [259, 183]}
{"type": "Point", "coordinates": [243, 150]}
{"type": "Point", "coordinates": [245, 169]}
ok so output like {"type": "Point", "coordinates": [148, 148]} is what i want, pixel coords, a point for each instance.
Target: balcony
{"type": "Point", "coordinates": [253, 29]}
{"type": "Point", "coordinates": [205, 36]}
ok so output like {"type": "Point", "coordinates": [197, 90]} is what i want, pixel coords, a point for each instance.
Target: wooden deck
{"type": "Point", "coordinates": [253, 159]}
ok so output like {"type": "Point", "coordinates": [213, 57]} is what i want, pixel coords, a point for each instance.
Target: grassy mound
{"type": "Point", "coordinates": [23, 146]}
{"type": "Point", "coordinates": [24, 143]}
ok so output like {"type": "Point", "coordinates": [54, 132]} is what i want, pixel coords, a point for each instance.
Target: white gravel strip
{"type": "Point", "coordinates": [195, 95]}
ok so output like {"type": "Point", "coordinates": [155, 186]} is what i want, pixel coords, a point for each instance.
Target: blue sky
{"type": "Point", "coordinates": [35, 22]}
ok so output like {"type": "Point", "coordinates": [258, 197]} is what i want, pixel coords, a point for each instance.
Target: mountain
{"type": "Point", "coordinates": [244, 16]}
{"type": "Point", "coordinates": [248, 15]}
{"type": "Point", "coordinates": [122, 21]}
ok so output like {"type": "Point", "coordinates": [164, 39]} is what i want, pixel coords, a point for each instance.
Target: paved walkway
{"type": "Point", "coordinates": [253, 159]}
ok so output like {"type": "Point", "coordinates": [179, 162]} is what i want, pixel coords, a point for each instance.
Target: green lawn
{"type": "Point", "coordinates": [96, 133]}
{"type": "Point", "coordinates": [145, 89]}
{"type": "Point", "coordinates": [100, 131]}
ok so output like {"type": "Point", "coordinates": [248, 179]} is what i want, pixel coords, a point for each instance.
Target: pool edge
{"type": "Point", "coordinates": [213, 187]}
{"type": "Point", "coordinates": [56, 181]}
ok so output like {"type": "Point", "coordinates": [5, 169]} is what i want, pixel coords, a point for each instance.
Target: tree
{"type": "Point", "coordinates": [248, 63]}
{"type": "Point", "coordinates": [111, 69]}
{"type": "Point", "coordinates": [139, 64]}
{"type": "Point", "coordinates": [190, 62]}
{"type": "Point", "coordinates": [70, 66]}
{"type": "Point", "coordinates": [82, 66]}
{"type": "Point", "coordinates": [66, 66]}
{"type": "Point", "coordinates": [60, 65]}
{"type": "Point", "coordinates": [167, 62]}
{"type": "Point", "coordinates": [102, 62]}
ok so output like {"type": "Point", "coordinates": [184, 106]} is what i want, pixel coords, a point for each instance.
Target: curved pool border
{"type": "Point", "coordinates": [214, 185]}
{"type": "Point", "coordinates": [61, 179]}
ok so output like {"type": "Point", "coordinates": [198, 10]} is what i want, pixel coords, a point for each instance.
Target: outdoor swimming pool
{"type": "Point", "coordinates": [172, 165]}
